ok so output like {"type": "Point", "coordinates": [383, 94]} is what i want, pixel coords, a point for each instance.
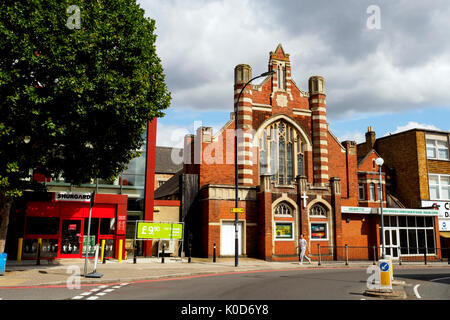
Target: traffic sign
{"type": "Point", "coordinates": [237, 210]}
{"type": "Point", "coordinates": [385, 275]}
{"type": "Point", "coordinates": [384, 266]}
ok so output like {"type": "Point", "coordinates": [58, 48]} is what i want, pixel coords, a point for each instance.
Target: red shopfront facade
{"type": "Point", "coordinates": [62, 225]}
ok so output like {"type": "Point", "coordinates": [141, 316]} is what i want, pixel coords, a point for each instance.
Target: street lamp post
{"type": "Point", "coordinates": [379, 162]}
{"type": "Point", "coordinates": [236, 214]}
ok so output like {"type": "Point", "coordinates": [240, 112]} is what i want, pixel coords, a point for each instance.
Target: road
{"type": "Point", "coordinates": [303, 284]}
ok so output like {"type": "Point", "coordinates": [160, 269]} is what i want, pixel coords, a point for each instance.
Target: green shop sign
{"type": "Point", "coordinates": [155, 230]}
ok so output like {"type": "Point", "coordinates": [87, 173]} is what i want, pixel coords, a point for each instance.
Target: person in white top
{"type": "Point", "coordinates": [303, 245]}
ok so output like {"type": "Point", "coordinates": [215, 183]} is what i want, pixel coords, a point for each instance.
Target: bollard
{"type": "Point", "coordinates": [190, 249]}
{"type": "Point", "coordinates": [319, 255]}
{"type": "Point", "coordinates": [374, 255]}
{"type": "Point", "coordinates": [425, 256]}
{"type": "Point", "coordinates": [164, 246]}
{"type": "Point", "coordinates": [135, 253]}
{"type": "Point", "coordinates": [120, 250]}
{"type": "Point", "coordinates": [214, 253]}
{"type": "Point", "coordinates": [448, 255]}
{"type": "Point", "coordinates": [19, 250]}
{"type": "Point", "coordinates": [102, 259]}
{"type": "Point", "coordinates": [346, 255]}
{"type": "Point", "coordinates": [38, 258]}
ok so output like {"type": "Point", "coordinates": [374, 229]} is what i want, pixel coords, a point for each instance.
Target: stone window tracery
{"type": "Point", "coordinates": [281, 152]}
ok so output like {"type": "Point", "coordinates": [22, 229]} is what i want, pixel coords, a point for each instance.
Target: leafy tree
{"type": "Point", "coordinates": [75, 94]}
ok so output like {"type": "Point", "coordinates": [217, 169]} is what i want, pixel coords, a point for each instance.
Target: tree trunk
{"type": "Point", "coordinates": [5, 207]}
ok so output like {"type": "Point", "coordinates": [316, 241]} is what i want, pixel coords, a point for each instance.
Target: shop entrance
{"type": "Point", "coordinates": [392, 243]}
{"type": "Point", "coordinates": [70, 238]}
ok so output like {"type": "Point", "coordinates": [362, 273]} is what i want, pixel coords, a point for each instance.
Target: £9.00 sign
{"type": "Point", "coordinates": [155, 230]}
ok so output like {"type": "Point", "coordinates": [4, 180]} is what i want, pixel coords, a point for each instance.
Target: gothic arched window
{"type": "Point", "coordinates": [283, 209]}
{"type": "Point", "coordinates": [318, 210]}
{"type": "Point", "coordinates": [281, 152]}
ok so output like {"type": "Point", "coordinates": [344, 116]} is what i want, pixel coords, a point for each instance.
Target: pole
{"type": "Point", "coordinates": [319, 255]}
{"type": "Point", "coordinates": [19, 250]}
{"type": "Point", "coordinates": [91, 203]}
{"type": "Point", "coordinates": [236, 179]}
{"type": "Point", "coordinates": [214, 253]}
{"type": "Point", "coordinates": [383, 253]}
{"type": "Point", "coordinates": [346, 254]}
{"type": "Point", "coordinates": [162, 259]}
{"type": "Point", "coordinates": [38, 259]}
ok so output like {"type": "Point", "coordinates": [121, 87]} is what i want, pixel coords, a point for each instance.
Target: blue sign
{"type": "Point", "coordinates": [384, 266]}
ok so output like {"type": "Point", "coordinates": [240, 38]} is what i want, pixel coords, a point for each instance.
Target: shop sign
{"type": "Point", "coordinates": [157, 230]}
{"type": "Point", "coordinates": [73, 196]}
{"type": "Point", "coordinates": [356, 210]}
{"type": "Point", "coordinates": [390, 211]}
{"type": "Point", "coordinates": [443, 206]}
{"type": "Point", "coordinates": [409, 212]}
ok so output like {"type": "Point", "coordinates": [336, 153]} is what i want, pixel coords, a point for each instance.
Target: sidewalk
{"type": "Point", "coordinates": [27, 273]}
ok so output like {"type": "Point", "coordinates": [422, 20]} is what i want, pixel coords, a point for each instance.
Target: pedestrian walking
{"type": "Point", "coordinates": [303, 245]}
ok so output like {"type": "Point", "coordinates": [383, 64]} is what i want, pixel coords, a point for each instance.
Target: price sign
{"type": "Point", "coordinates": [155, 230]}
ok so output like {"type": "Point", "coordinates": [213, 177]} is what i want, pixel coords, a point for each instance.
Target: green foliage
{"type": "Point", "coordinates": [82, 96]}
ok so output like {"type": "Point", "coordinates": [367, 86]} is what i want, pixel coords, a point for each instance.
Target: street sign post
{"type": "Point", "coordinates": [385, 275]}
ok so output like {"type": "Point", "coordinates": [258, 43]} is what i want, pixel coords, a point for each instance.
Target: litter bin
{"type": "Point", "coordinates": [2, 263]}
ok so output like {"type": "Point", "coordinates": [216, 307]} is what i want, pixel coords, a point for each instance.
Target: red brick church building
{"type": "Point", "coordinates": [294, 175]}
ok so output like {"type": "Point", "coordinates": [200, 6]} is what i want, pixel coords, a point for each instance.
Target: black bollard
{"type": "Point", "coordinates": [448, 255]}
{"type": "Point", "coordinates": [135, 253]}
{"type": "Point", "coordinates": [425, 255]}
{"type": "Point", "coordinates": [162, 260]}
{"type": "Point", "coordinates": [214, 253]}
{"type": "Point", "coordinates": [38, 260]}
{"type": "Point", "coordinates": [190, 249]}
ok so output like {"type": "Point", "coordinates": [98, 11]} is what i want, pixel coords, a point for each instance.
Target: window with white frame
{"type": "Point", "coordinates": [439, 186]}
{"type": "Point", "coordinates": [319, 231]}
{"type": "Point", "coordinates": [372, 191]}
{"type": "Point", "coordinates": [437, 149]}
{"type": "Point", "coordinates": [284, 230]}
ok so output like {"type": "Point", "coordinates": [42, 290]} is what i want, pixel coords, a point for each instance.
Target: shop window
{"type": "Point", "coordinates": [411, 222]}
{"type": "Point", "coordinates": [283, 230]}
{"type": "Point", "coordinates": [402, 221]}
{"type": "Point", "coordinates": [412, 241]}
{"type": "Point", "coordinates": [42, 225]}
{"type": "Point", "coordinates": [319, 231]}
{"type": "Point", "coordinates": [430, 241]}
{"type": "Point", "coordinates": [404, 241]}
{"type": "Point", "coordinates": [420, 221]}
{"type": "Point", "coordinates": [107, 226]}
{"type": "Point", "coordinates": [429, 222]}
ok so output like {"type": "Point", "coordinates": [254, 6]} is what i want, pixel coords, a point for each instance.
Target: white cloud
{"type": "Point", "coordinates": [359, 137]}
{"type": "Point", "coordinates": [402, 67]}
{"type": "Point", "coordinates": [412, 125]}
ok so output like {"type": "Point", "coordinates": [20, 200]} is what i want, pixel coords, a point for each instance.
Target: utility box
{"type": "Point", "coordinates": [3, 263]}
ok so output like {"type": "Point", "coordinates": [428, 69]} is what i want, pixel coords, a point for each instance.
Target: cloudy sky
{"type": "Point", "coordinates": [389, 69]}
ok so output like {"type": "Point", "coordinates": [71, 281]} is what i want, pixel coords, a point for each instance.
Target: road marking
{"type": "Point", "coordinates": [95, 290]}
{"type": "Point", "coordinates": [440, 279]}
{"type": "Point", "coordinates": [93, 298]}
{"type": "Point", "coordinates": [75, 298]}
{"type": "Point", "coordinates": [124, 284]}
{"type": "Point", "coordinates": [101, 293]}
{"type": "Point", "coordinates": [102, 287]}
{"type": "Point", "coordinates": [117, 287]}
{"type": "Point", "coordinates": [417, 292]}
{"type": "Point", "coordinates": [85, 293]}
{"type": "Point", "coordinates": [109, 290]}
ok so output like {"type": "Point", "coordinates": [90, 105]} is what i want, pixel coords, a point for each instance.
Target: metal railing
{"type": "Point", "coordinates": [401, 255]}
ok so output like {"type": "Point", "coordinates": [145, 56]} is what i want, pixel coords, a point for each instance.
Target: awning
{"type": "Point", "coordinates": [445, 234]}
